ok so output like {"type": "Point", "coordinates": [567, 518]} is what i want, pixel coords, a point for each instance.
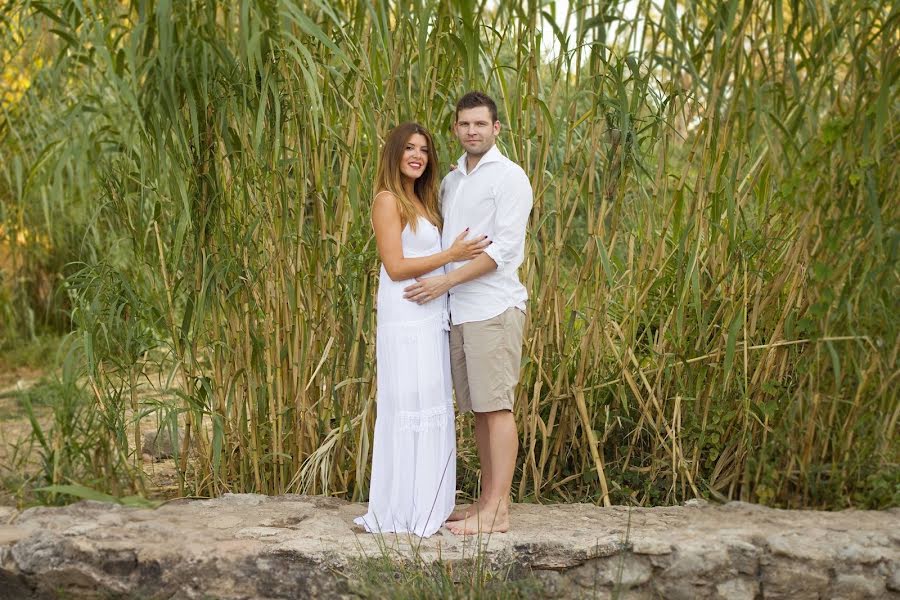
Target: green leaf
{"type": "Point", "coordinates": [733, 330]}
{"type": "Point", "coordinates": [835, 365]}
{"type": "Point", "coordinates": [86, 493]}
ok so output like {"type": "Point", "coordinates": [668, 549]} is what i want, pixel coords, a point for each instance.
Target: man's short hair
{"type": "Point", "coordinates": [476, 99]}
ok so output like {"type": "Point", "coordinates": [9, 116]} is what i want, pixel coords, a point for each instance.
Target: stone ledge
{"type": "Point", "coordinates": [244, 546]}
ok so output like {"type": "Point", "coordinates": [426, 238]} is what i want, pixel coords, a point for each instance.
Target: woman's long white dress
{"type": "Point", "coordinates": [414, 453]}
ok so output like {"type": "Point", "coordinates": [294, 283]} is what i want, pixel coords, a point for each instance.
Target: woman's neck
{"type": "Point", "coordinates": [409, 187]}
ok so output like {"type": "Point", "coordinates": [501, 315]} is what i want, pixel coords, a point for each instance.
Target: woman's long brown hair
{"type": "Point", "coordinates": [389, 177]}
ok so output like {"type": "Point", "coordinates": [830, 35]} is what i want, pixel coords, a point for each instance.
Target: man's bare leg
{"type": "Point", "coordinates": [482, 444]}
{"type": "Point", "coordinates": [499, 461]}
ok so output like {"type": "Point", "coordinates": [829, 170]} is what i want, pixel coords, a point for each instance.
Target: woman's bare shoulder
{"type": "Point", "coordinates": [385, 203]}
{"type": "Point", "coordinates": [385, 196]}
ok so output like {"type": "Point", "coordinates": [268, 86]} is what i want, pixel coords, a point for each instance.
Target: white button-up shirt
{"type": "Point", "coordinates": [495, 200]}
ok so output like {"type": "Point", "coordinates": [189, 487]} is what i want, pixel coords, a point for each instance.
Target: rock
{"type": "Point", "coordinates": [857, 553]}
{"type": "Point", "coordinates": [744, 557]}
{"type": "Point", "coordinates": [795, 545]}
{"type": "Point", "coordinates": [651, 547]}
{"type": "Point", "coordinates": [161, 444]}
{"type": "Point", "coordinates": [627, 572]}
{"type": "Point", "coordinates": [242, 546]}
{"type": "Point", "coordinates": [857, 587]}
{"type": "Point", "coordinates": [697, 502]}
{"type": "Point", "coordinates": [794, 579]}
{"type": "Point", "coordinates": [737, 589]}
{"type": "Point", "coordinates": [553, 584]}
{"type": "Point", "coordinates": [893, 579]}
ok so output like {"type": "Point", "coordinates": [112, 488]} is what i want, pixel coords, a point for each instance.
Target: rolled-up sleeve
{"type": "Point", "coordinates": [513, 201]}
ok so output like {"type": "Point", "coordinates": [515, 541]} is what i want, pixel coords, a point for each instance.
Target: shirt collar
{"type": "Point", "coordinates": [492, 155]}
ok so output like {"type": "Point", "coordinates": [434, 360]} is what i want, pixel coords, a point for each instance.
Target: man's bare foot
{"type": "Point", "coordinates": [462, 513]}
{"type": "Point", "coordinates": [483, 521]}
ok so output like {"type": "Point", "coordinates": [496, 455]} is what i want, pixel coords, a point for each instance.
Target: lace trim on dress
{"type": "Point", "coordinates": [425, 420]}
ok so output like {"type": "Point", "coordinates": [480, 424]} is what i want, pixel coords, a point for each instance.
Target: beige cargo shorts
{"type": "Point", "coordinates": [485, 360]}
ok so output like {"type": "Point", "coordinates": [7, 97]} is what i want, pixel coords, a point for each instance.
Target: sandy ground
{"type": "Point", "coordinates": [14, 431]}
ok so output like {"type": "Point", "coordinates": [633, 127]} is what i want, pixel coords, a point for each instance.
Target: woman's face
{"type": "Point", "coordinates": [415, 156]}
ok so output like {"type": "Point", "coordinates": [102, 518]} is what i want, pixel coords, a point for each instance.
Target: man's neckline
{"type": "Point", "coordinates": [492, 155]}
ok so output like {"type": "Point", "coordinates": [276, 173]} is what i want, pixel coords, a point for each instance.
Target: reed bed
{"type": "Point", "coordinates": [711, 258]}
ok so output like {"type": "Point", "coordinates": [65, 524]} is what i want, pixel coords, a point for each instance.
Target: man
{"type": "Point", "coordinates": [489, 194]}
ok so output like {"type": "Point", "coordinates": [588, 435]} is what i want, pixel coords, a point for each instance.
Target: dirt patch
{"type": "Point", "coordinates": [20, 456]}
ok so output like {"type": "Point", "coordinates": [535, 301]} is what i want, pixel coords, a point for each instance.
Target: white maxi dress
{"type": "Point", "coordinates": [413, 481]}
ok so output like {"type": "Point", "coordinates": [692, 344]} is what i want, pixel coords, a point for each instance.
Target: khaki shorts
{"type": "Point", "coordinates": [485, 359]}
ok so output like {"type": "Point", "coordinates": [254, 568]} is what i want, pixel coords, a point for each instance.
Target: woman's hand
{"type": "Point", "coordinates": [463, 249]}
{"type": "Point", "coordinates": [426, 289]}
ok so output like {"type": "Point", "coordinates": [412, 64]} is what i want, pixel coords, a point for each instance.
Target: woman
{"type": "Point", "coordinates": [414, 453]}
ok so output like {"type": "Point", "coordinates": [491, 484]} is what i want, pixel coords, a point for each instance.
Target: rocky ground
{"type": "Point", "coordinates": [249, 546]}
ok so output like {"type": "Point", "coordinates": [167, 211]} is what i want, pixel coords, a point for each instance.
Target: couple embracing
{"type": "Point", "coordinates": [450, 315]}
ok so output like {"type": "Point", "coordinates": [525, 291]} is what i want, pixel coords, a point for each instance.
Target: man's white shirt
{"type": "Point", "coordinates": [495, 199]}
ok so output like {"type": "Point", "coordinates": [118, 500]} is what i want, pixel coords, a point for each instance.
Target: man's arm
{"type": "Point", "coordinates": [514, 201]}
{"type": "Point", "coordinates": [475, 268]}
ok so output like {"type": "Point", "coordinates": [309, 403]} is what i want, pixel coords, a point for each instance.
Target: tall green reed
{"type": "Point", "coordinates": [710, 256]}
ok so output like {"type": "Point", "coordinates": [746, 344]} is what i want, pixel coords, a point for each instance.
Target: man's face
{"type": "Point", "coordinates": [475, 129]}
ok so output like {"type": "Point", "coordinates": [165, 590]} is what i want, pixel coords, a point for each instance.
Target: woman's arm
{"type": "Point", "coordinates": [388, 229]}
{"type": "Point", "coordinates": [514, 201]}
{"type": "Point", "coordinates": [428, 288]}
